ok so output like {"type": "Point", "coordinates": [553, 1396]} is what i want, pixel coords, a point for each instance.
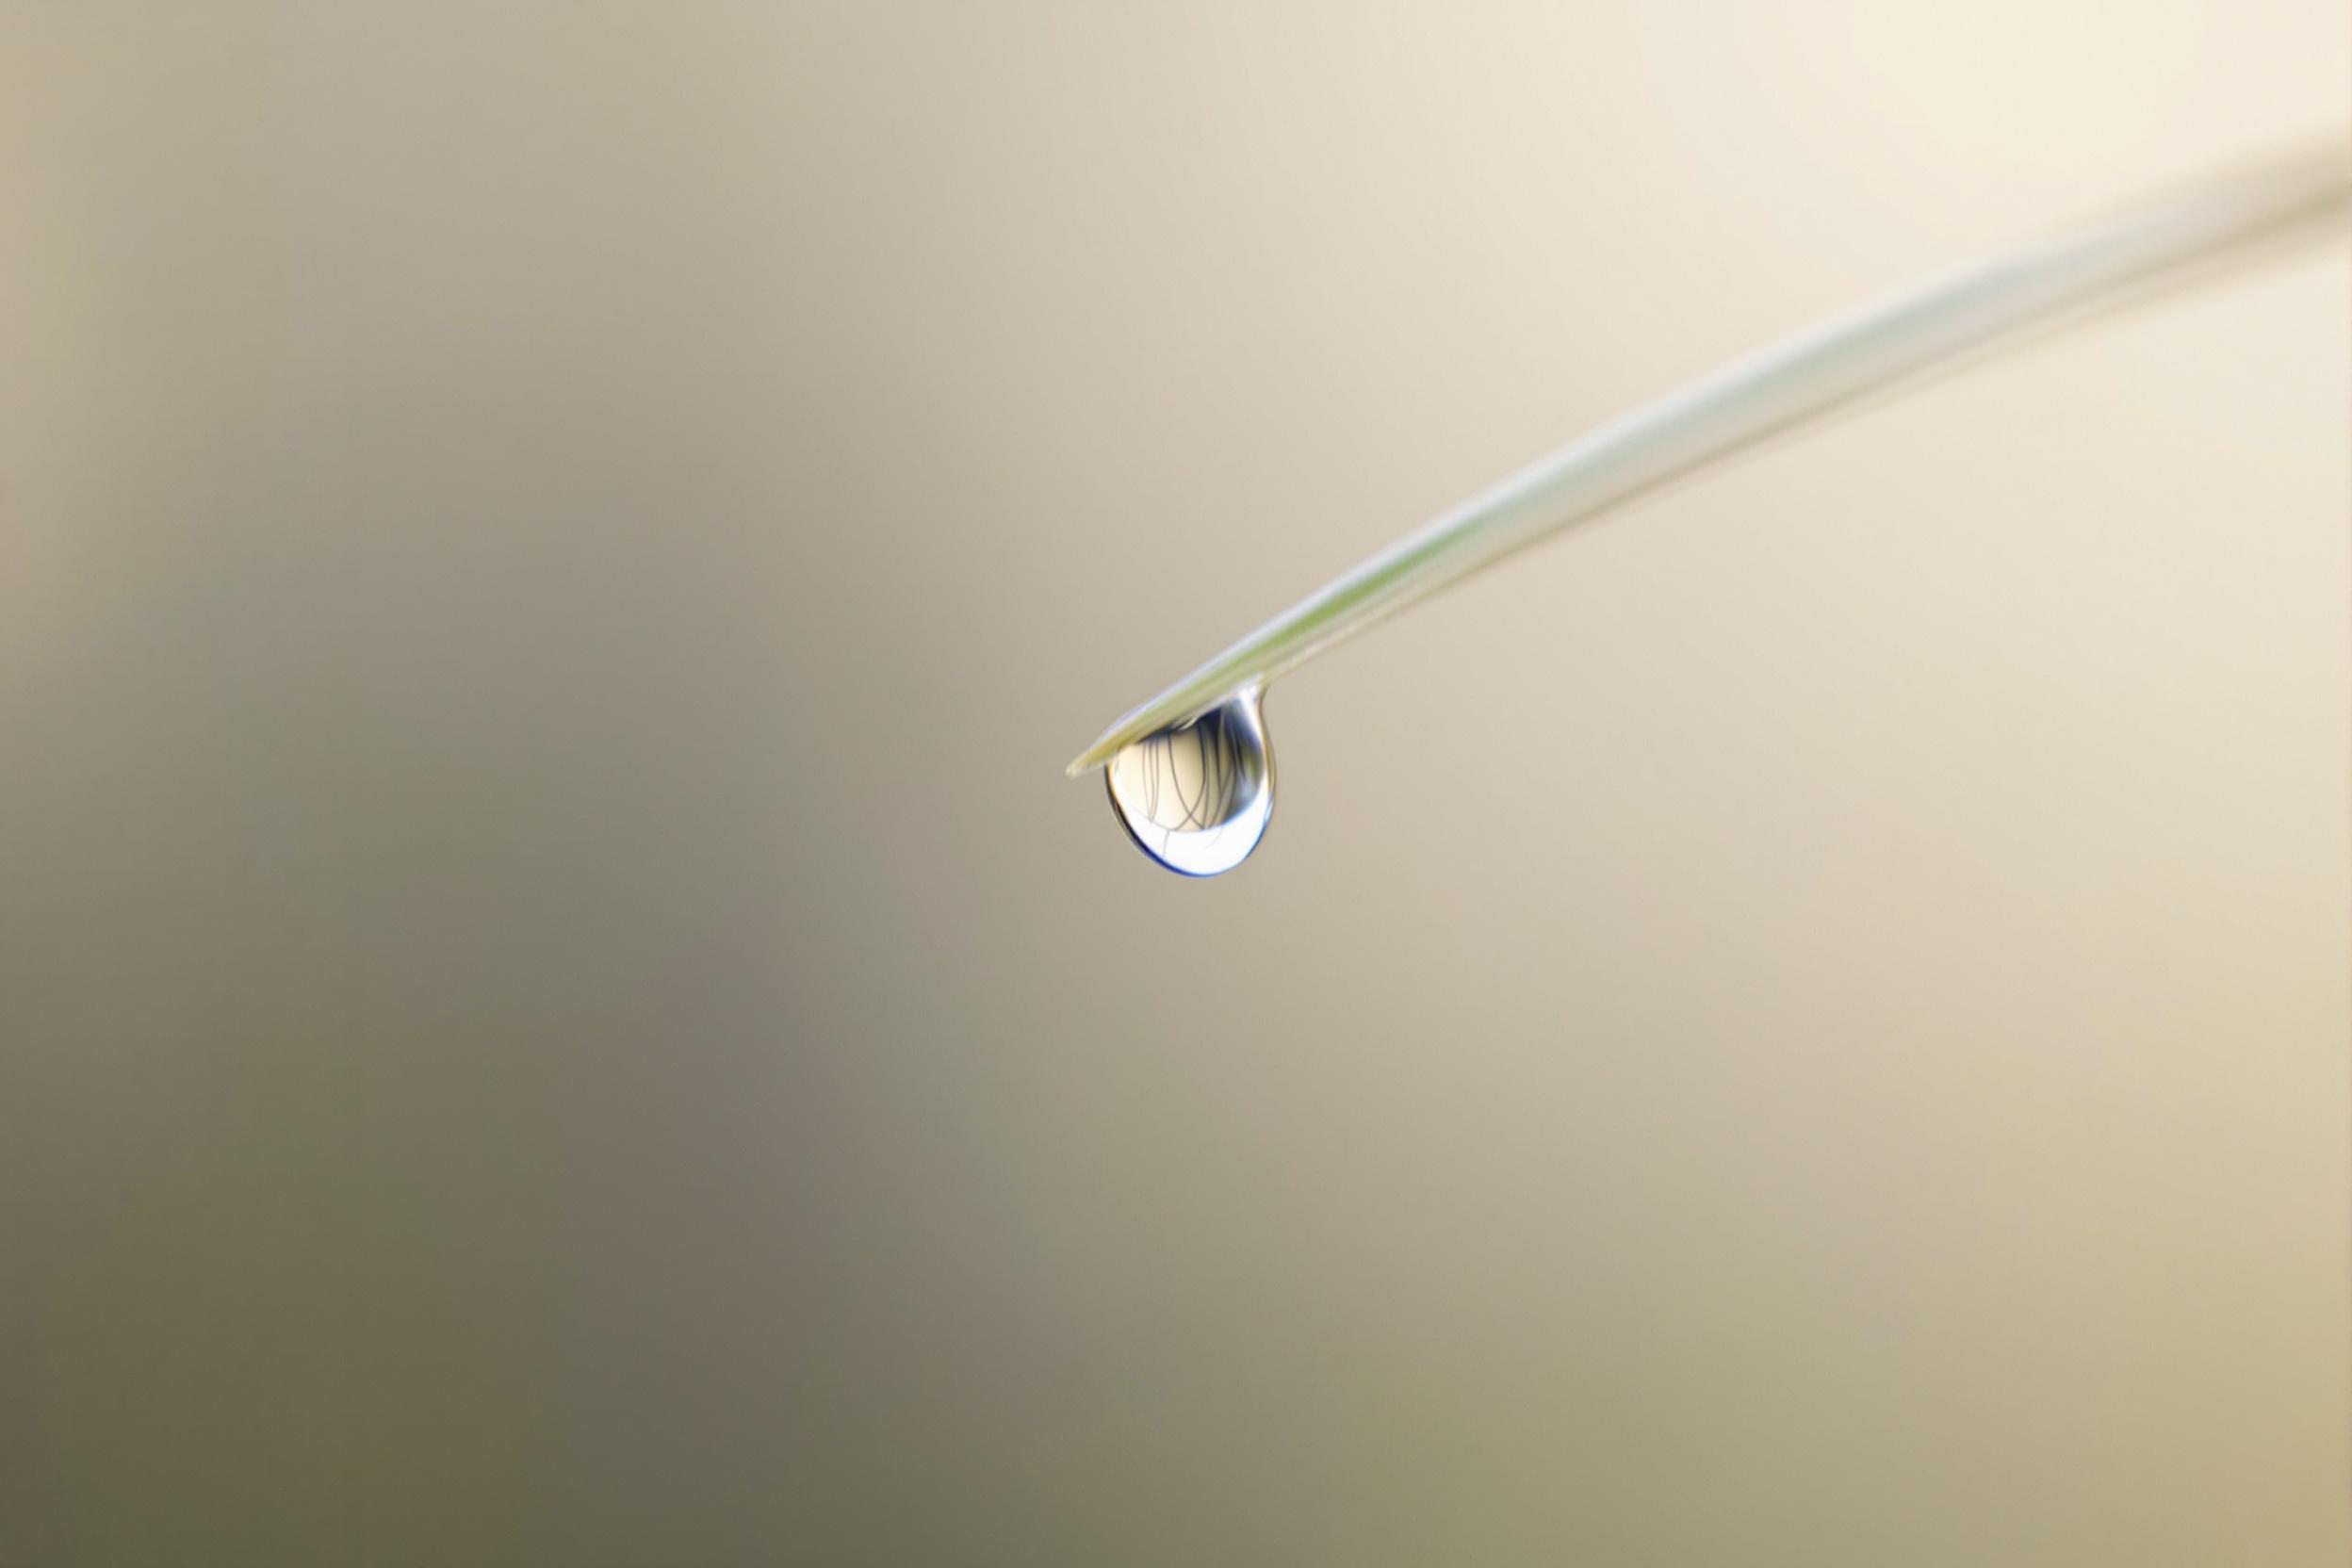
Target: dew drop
{"type": "Point", "coordinates": [1197, 798]}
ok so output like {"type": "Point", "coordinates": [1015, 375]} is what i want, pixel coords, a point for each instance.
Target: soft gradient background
{"type": "Point", "coordinates": [556, 1006]}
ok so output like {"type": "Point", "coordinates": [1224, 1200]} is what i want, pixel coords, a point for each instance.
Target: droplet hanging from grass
{"type": "Point", "coordinates": [1189, 772]}
{"type": "Point", "coordinates": [1197, 797]}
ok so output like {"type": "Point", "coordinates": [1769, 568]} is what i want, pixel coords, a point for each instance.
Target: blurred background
{"type": "Point", "coordinates": [555, 1004]}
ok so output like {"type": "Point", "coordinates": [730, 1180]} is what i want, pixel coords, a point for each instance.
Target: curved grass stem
{"type": "Point", "coordinates": [1786, 383]}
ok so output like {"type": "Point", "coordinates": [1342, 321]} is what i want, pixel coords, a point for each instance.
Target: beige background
{"type": "Point", "coordinates": [556, 1007]}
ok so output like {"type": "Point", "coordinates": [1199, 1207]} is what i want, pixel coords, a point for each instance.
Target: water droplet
{"type": "Point", "coordinates": [1197, 798]}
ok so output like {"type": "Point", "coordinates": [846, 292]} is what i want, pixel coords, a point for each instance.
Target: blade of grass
{"type": "Point", "coordinates": [1798, 379]}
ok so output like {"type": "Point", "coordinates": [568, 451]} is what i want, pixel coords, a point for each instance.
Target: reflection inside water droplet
{"type": "Point", "coordinates": [1197, 798]}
